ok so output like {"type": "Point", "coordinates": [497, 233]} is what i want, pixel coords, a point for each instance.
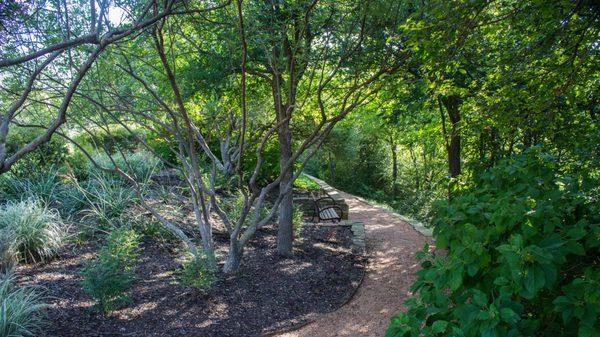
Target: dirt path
{"type": "Point", "coordinates": [391, 247]}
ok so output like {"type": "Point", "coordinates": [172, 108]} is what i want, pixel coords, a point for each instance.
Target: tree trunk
{"type": "Point", "coordinates": [394, 167]}
{"type": "Point", "coordinates": [451, 103]}
{"type": "Point", "coordinates": [234, 257]}
{"type": "Point", "coordinates": [285, 233]}
{"type": "Point", "coordinates": [331, 167]}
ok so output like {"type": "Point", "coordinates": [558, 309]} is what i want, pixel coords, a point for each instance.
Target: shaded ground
{"type": "Point", "coordinates": [391, 247]}
{"type": "Point", "coordinates": [268, 293]}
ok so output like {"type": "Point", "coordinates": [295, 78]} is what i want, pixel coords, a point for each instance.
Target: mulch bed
{"type": "Point", "coordinates": [268, 293]}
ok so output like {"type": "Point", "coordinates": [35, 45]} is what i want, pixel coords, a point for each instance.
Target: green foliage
{"type": "Point", "coordinates": [105, 201]}
{"type": "Point", "coordinates": [37, 232]}
{"type": "Point", "coordinates": [196, 273]}
{"type": "Point", "coordinates": [140, 165]}
{"type": "Point", "coordinates": [20, 308]}
{"type": "Point", "coordinates": [42, 185]}
{"type": "Point", "coordinates": [233, 207]}
{"type": "Point", "coordinates": [305, 183]}
{"type": "Point", "coordinates": [523, 257]}
{"type": "Point", "coordinates": [108, 278]}
{"type": "Point", "coordinates": [297, 219]}
{"type": "Point", "coordinates": [49, 154]}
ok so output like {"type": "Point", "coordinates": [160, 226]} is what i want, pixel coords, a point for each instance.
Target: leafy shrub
{"type": "Point", "coordinates": [19, 308]}
{"type": "Point", "coordinates": [164, 149]}
{"type": "Point", "coordinates": [119, 138]}
{"type": "Point", "coordinates": [233, 206]}
{"type": "Point", "coordinates": [108, 278]}
{"type": "Point", "coordinates": [523, 258]}
{"type": "Point", "coordinates": [37, 231]}
{"type": "Point", "coordinates": [197, 273]}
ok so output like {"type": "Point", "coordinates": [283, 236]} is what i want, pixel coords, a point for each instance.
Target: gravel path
{"type": "Point", "coordinates": [391, 247]}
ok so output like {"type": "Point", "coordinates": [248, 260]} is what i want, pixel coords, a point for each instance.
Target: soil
{"type": "Point", "coordinates": [267, 294]}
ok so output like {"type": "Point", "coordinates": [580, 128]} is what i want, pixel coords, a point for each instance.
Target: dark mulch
{"type": "Point", "coordinates": [267, 294]}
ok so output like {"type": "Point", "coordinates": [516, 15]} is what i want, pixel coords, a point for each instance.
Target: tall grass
{"type": "Point", "coordinates": [37, 232]}
{"type": "Point", "coordinates": [104, 200]}
{"type": "Point", "coordinates": [43, 186]}
{"type": "Point", "coordinates": [141, 165]}
{"type": "Point", "coordinates": [20, 309]}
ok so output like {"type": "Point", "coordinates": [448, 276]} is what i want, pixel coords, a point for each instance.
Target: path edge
{"type": "Point", "coordinates": [416, 224]}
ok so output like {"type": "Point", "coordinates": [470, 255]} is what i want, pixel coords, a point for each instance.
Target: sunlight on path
{"type": "Point", "coordinates": [391, 247]}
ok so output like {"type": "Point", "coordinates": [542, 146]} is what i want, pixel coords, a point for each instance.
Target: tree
{"type": "Point", "coordinates": [34, 51]}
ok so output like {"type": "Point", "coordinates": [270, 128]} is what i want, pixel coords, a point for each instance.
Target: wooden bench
{"type": "Point", "coordinates": [326, 209]}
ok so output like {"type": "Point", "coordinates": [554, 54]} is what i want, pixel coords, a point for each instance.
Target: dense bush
{"type": "Point", "coordinates": [19, 309]}
{"type": "Point", "coordinates": [522, 261]}
{"type": "Point", "coordinates": [196, 273]}
{"type": "Point", "coordinates": [108, 278]}
{"type": "Point", "coordinates": [37, 232]}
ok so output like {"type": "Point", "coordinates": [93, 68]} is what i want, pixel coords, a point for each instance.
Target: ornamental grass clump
{"type": "Point", "coordinates": [32, 231]}
{"type": "Point", "coordinates": [20, 308]}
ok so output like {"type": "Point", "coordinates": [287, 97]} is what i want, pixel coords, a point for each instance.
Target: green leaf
{"type": "Point", "coordinates": [509, 316]}
{"type": "Point", "coordinates": [534, 281]}
{"type": "Point", "coordinates": [439, 326]}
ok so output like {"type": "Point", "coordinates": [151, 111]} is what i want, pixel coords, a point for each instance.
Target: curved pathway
{"type": "Point", "coordinates": [391, 247]}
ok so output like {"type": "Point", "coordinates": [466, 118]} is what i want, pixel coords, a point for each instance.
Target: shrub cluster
{"type": "Point", "coordinates": [522, 260]}
{"type": "Point", "coordinates": [110, 276]}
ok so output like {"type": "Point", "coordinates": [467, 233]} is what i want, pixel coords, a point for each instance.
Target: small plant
{"type": "Point", "coordinates": [37, 232]}
{"type": "Point", "coordinates": [19, 308]}
{"type": "Point", "coordinates": [108, 278]}
{"type": "Point", "coordinates": [197, 274]}
{"type": "Point", "coordinates": [297, 218]}
{"type": "Point", "coordinates": [7, 254]}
